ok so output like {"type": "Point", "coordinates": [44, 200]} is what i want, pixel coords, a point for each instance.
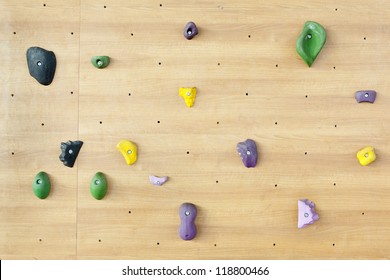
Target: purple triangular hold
{"type": "Point", "coordinates": [306, 213]}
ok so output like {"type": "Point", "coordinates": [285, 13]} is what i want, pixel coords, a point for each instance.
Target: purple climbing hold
{"type": "Point", "coordinates": [187, 213]}
{"type": "Point", "coordinates": [247, 151]}
{"type": "Point", "coordinates": [190, 30]}
{"type": "Point", "coordinates": [158, 181]}
{"type": "Point", "coordinates": [365, 96]}
{"type": "Point", "coordinates": [306, 213]}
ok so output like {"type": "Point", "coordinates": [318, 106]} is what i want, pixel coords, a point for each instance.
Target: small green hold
{"type": "Point", "coordinates": [98, 186]}
{"type": "Point", "coordinates": [100, 61]}
{"type": "Point", "coordinates": [310, 41]}
{"type": "Point", "coordinates": [41, 185]}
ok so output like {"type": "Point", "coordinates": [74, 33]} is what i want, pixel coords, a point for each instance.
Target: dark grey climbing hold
{"type": "Point", "coordinates": [41, 64]}
{"type": "Point", "coordinates": [190, 30]}
{"type": "Point", "coordinates": [69, 152]}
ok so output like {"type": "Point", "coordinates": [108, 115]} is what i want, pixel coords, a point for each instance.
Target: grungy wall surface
{"type": "Point", "coordinates": [251, 84]}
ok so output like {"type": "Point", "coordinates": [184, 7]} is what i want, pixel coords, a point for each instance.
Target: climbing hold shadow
{"type": "Point", "coordinates": [190, 30]}
{"type": "Point", "coordinates": [187, 213]}
{"type": "Point", "coordinates": [189, 95]}
{"type": "Point", "coordinates": [69, 152]}
{"type": "Point", "coordinates": [306, 213]}
{"type": "Point", "coordinates": [158, 181]}
{"type": "Point", "coordinates": [128, 150]}
{"type": "Point", "coordinates": [100, 61]}
{"type": "Point", "coordinates": [98, 186]}
{"type": "Point", "coordinates": [365, 96]}
{"type": "Point", "coordinates": [41, 185]}
{"type": "Point", "coordinates": [41, 64]}
{"type": "Point", "coordinates": [247, 151]}
{"type": "Point", "coordinates": [366, 155]}
{"type": "Point", "coordinates": [310, 41]}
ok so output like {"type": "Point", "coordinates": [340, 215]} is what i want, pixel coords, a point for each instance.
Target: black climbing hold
{"type": "Point", "coordinates": [41, 64]}
{"type": "Point", "coordinates": [69, 152]}
{"type": "Point", "coordinates": [190, 30]}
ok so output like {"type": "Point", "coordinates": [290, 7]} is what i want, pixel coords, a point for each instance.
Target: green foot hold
{"type": "Point", "coordinates": [41, 185]}
{"type": "Point", "coordinates": [98, 186]}
{"type": "Point", "coordinates": [311, 41]}
{"type": "Point", "coordinates": [100, 61]}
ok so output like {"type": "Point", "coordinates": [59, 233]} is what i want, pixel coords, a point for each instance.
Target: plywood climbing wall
{"type": "Point", "coordinates": [251, 84]}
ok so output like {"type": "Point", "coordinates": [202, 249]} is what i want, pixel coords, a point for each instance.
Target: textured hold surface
{"type": "Point", "coordinates": [247, 151]}
{"type": "Point", "coordinates": [306, 213]}
{"type": "Point", "coordinates": [41, 64]}
{"type": "Point", "coordinates": [100, 61]}
{"type": "Point", "coordinates": [187, 213]}
{"type": "Point", "coordinates": [365, 96]}
{"type": "Point", "coordinates": [189, 95]}
{"type": "Point", "coordinates": [41, 185]}
{"type": "Point", "coordinates": [98, 186]}
{"type": "Point", "coordinates": [70, 151]}
{"type": "Point", "coordinates": [190, 30]}
{"type": "Point", "coordinates": [311, 41]}
{"type": "Point", "coordinates": [158, 181]}
{"type": "Point", "coordinates": [366, 155]}
{"type": "Point", "coordinates": [128, 150]}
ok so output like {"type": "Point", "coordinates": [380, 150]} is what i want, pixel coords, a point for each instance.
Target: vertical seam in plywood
{"type": "Point", "coordinates": [78, 132]}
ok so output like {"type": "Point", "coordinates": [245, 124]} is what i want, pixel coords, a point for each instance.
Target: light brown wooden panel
{"type": "Point", "coordinates": [251, 84]}
{"type": "Point", "coordinates": [34, 121]}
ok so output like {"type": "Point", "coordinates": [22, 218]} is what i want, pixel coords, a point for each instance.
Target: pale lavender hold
{"type": "Point", "coordinates": [187, 213]}
{"type": "Point", "coordinates": [306, 213]}
{"type": "Point", "coordinates": [190, 30]}
{"type": "Point", "coordinates": [247, 151]}
{"type": "Point", "coordinates": [365, 96]}
{"type": "Point", "coordinates": [158, 181]}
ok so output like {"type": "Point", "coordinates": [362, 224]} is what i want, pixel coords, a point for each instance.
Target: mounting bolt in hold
{"type": "Point", "coordinates": [190, 30]}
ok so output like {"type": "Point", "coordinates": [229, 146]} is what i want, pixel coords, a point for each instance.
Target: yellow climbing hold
{"type": "Point", "coordinates": [128, 150]}
{"type": "Point", "coordinates": [189, 95]}
{"type": "Point", "coordinates": [366, 155]}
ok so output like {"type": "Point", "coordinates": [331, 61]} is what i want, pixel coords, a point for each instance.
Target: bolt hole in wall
{"type": "Point", "coordinates": [158, 243]}
{"type": "Point", "coordinates": [219, 64]}
{"type": "Point", "coordinates": [217, 182]}
{"type": "Point", "coordinates": [129, 211]}
{"type": "Point", "coordinates": [101, 122]}
{"type": "Point", "coordinates": [132, 34]}
{"type": "Point", "coordinates": [129, 94]}
{"type": "Point", "coordinates": [249, 36]}
{"type": "Point", "coordinates": [100, 240]}
{"type": "Point", "coordinates": [40, 240]}
{"type": "Point", "coordinates": [365, 38]}
{"type": "Point", "coordinates": [14, 33]}
{"type": "Point", "coordinates": [44, 5]}
{"type": "Point", "coordinates": [276, 65]}
{"type": "Point", "coordinates": [276, 185]}
{"type": "Point", "coordinates": [334, 244]}
{"type": "Point", "coordinates": [363, 214]}
{"type": "Point", "coordinates": [71, 33]}
{"type": "Point", "coordinates": [188, 152]}
{"type": "Point", "coordinates": [305, 153]}
{"type": "Point", "coordinates": [71, 92]}
{"type": "Point", "coordinates": [247, 94]}
{"type": "Point", "coordinates": [42, 124]}
{"type": "Point", "coordinates": [12, 153]}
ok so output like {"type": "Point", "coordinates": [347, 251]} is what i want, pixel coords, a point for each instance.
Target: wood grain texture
{"type": "Point", "coordinates": [251, 84]}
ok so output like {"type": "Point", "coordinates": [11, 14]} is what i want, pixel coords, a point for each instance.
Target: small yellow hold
{"type": "Point", "coordinates": [128, 150]}
{"type": "Point", "coordinates": [366, 155]}
{"type": "Point", "coordinates": [189, 95]}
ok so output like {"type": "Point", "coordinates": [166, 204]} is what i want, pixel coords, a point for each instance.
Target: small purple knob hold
{"type": "Point", "coordinates": [187, 213]}
{"type": "Point", "coordinates": [306, 213]}
{"type": "Point", "coordinates": [365, 96]}
{"type": "Point", "coordinates": [190, 30]}
{"type": "Point", "coordinates": [247, 151]}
